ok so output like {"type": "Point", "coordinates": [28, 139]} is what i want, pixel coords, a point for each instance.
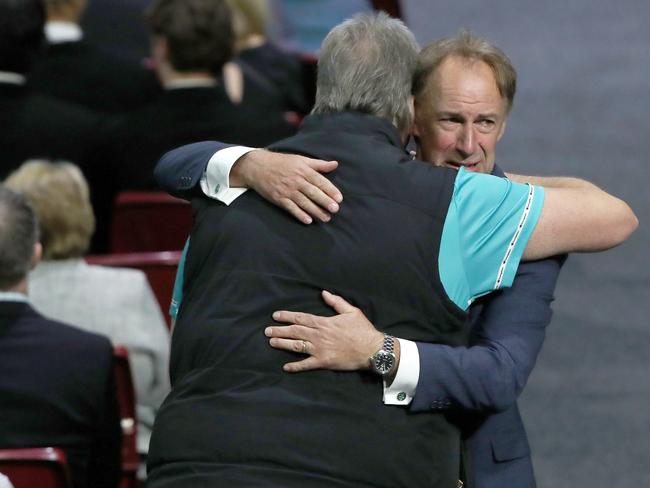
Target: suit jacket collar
{"type": "Point", "coordinates": [354, 123]}
{"type": "Point", "coordinates": [10, 310]}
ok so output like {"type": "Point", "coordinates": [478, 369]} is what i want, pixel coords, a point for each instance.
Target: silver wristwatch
{"type": "Point", "coordinates": [383, 361]}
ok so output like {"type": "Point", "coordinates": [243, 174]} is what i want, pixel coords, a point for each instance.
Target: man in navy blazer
{"type": "Point", "coordinates": [57, 387]}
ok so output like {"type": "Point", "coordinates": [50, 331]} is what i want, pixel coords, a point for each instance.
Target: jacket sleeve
{"type": "Point", "coordinates": [507, 333]}
{"type": "Point", "coordinates": [180, 170]}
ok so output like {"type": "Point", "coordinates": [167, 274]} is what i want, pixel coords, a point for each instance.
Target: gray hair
{"type": "Point", "coordinates": [18, 234]}
{"type": "Point", "coordinates": [366, 64]}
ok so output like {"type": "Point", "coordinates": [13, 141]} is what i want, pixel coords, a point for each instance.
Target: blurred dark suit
{"type": "Point", "coordinates": [133, 145]}
{"type": "Point", "coordinates": [273, 74]}
{"type": "Point", "coordinates": [37, 126]}
{"type": "Point", "coordinates": [57, 389]}
{"type": "Point", "coordinates": [81, 73]}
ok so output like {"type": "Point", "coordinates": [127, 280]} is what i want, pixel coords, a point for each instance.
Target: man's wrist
{"type": "Point", "coordinates": [377, 345]}
{"type": "Point", "coordinates": [240, 172]}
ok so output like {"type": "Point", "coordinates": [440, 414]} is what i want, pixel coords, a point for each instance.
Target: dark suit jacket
{"type": "Point", "coordinates": [270, 72]}
{"type": "Point", "coordinates": [81, 73]}
{"type": "Point", "coordinates": [57, 389]}
{"type": "Point", "coordinates": [38, 126]}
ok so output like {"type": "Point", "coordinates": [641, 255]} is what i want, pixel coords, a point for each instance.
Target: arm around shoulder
{"type": "Point", "coordinates": [577, 216]}
{"type": "Point", "coordinates": [179, 171]}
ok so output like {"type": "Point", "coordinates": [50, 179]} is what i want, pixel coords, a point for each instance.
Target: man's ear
{"type": "Point", "coordinates": [502, 130]}
{"type": "Point", "coordinates": [37, 254]}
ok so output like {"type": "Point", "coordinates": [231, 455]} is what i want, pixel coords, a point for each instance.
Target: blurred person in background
{"type": "Point", "coordinates": [191, 40]}
{"type": "Point", "coordinates": [115, 302]}
{"type": "Point", "coordinates": [75, 70]}
{"type": "Point", "coordinates": [262, 73]}
{"type": "Point", "coordinates": [57, 386]}
{"type": "Point", "coordinates": [34, 125]}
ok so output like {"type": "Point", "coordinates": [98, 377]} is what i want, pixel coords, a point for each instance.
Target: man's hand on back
{"type": "Point", "coordinates": [292, 182]}
{"type": "Point", "coordinates": [343, 342]}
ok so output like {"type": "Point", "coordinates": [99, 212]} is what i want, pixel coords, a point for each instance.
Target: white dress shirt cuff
{"type": "Point", "coordinates": [215, 182]}
{"type": "Point", "coordinates": [402, 389]}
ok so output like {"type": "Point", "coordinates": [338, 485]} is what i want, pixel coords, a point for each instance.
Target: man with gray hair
{"type": "Point", "coordinates": [56, 381]}
{"type": "Point", "coordinates": [401, 248]}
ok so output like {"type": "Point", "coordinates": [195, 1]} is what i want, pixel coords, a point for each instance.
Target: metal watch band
{"type": "Point", "coordinates": [389, 343]}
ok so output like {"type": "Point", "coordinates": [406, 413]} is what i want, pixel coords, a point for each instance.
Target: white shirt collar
{"type": "Point", "coordinates": [190, 83]}
{"type": "Point", "coordinates": [57, 32]}
{"type": "Point", "coordinates": [13, 78]}
{"type": "Point", "coordinates": [13, 296]}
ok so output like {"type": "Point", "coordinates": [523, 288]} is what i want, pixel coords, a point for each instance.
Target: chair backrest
{"type": "Point", "coordinates": [160, 268]}
{"type": "Point", "coordinates": [149, 221]}
{"type": "Point", "coordinates": [126, 402]}
{"type": "Point", "coordinates": [42, 467]}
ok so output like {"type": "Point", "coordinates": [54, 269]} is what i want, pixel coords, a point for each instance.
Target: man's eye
{"type": "Point", "coordinates": [486, 125]}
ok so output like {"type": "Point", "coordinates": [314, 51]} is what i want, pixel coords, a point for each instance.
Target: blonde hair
{"type": "Point", "coordinates": [61, 199]}
{"type": "Point", "coordinates": [250, 18]}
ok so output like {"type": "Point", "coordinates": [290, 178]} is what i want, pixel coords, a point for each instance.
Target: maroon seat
{"type": "Point", "coordinates": [149, 221]}
{"type": "Point", "coordinates": [126, 402]}
{"type": "Point", "coordinates": [160, 268]}
{"type": "Point", "coordinates": [42, 467]}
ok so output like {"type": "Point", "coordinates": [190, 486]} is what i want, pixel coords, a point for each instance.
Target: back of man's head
{"type": "Point", "coordinates": [199, 33]}
{"type": "Point", "coordinates": [366, 64]}
{"type": "Point", "coordinates": [467, 46]}
{"type": "Point", "coordinates": [18, 235]}
{"type": "Point", "coordinates": [21, 33]}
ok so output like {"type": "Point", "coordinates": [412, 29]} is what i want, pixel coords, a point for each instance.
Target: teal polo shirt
{"type": "Point", "coordinates": [486, 230]}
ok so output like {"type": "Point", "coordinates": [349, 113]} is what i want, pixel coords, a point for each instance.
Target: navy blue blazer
{"type": "Point", "coordinates": [483, 380]}
{"type": "Point", "coordinates": [57, 388]}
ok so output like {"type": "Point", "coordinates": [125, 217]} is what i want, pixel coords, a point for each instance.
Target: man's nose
{"type": "Point", "coordinates": [466, 143]}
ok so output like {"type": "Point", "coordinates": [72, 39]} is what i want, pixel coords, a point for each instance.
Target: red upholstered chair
{"type": "Point", "coordinates": [126, 401]}
{"type": "Point", "coordinates": [160, 268]}
{"type": "Point", "coordinates": [42, 467]}
{"type": "Point", "coordinates": [149, 221]}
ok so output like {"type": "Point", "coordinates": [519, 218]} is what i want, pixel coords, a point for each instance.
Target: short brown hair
{"type": "Point", "coordinates": [468, 46]}
{"type": "Point", "coordinates": [199, 33]}
{"type": "Point", "coordinates": [60, 197]}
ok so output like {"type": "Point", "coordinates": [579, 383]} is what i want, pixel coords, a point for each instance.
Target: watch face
{"type": "Point", "coordinates": [384, 362]}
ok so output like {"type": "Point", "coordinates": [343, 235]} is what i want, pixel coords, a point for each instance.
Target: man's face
{"type": "Point", "coordinates": [460, 116]}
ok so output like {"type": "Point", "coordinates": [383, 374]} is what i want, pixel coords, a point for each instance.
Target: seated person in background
{"type": "Point", "coordinates": [191, 41]}
{"type": "Point", "coordinates": [34, 125]}
{"type": "Point", "coordinates": [73, 69]}
{"type": "Point", "coordinates": [56, 381]}
{"type": "Point", "coordinates": [262, 73]}
{"type": "Point", "coordinates": [115, 302]}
